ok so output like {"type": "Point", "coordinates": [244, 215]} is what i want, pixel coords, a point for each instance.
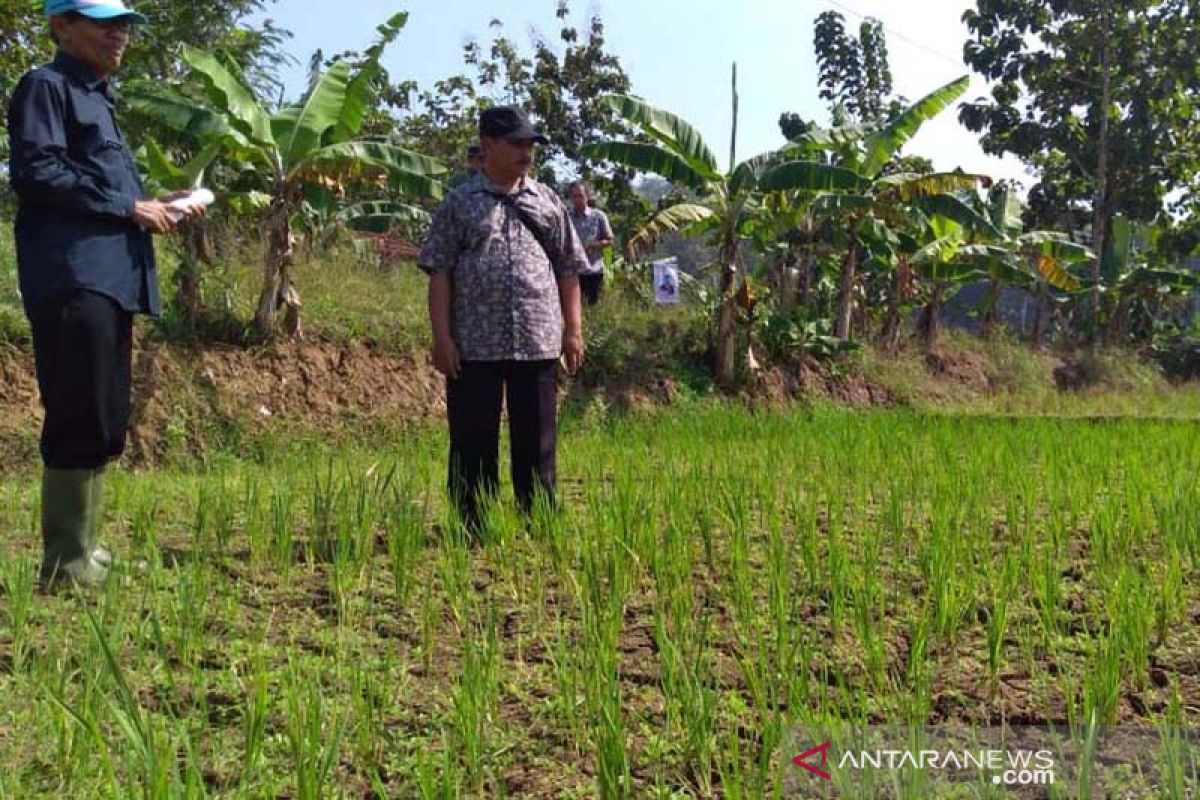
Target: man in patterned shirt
{"type": "Point", "coordinates": [592, 226]}
{"type": "Point", "coordinates": [504, 303]}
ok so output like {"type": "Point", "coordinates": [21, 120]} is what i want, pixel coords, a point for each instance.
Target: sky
{"type": "Point", "coordinates": [678, 54]}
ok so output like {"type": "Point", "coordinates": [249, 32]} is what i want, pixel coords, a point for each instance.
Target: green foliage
{"type": "Point", "coordinates": [155, 54]}
{"type": "Point", "coordinates": [854, 75]}
{"type": "Point", "coordinates": [1046, 107]}
{"type": "Point", "coordinates": [791, 334]}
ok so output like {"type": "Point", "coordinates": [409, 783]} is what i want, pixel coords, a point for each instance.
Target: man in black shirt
{"type": "Point", "coordinates": [85, 264]}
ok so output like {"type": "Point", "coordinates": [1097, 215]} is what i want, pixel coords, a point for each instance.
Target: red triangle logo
{"type": "Point", "coordinates": [802, 760]}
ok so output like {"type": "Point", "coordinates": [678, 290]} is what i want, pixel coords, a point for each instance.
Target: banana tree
{"type": "Point", "coordinates": [324, 215]}
{"type": "Point", "coordinates": [312, 142]}
{"type": "Point", "coordinates": [1134, 291]}
{"type": "Point", "coordinates": [724, 203]}
{"type": "Point", "coordinates": [876, 197]}
{"type": "Point", "coordinates": [940, 261]}
{"type": "Point", "coordinates": [195, 245]}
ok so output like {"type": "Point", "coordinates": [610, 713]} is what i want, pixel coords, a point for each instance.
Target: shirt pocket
{"type": "Point", "coordinates": [484, 232]}
{"type": "Point", "coordinates": [106, 160]}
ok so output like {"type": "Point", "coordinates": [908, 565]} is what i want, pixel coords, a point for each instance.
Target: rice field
{"type": "Point", "coordinates": [307, 623]}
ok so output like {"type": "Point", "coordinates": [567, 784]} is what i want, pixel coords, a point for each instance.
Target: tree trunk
{"type": "Point", "coordinates": [726, 328]}
{"type": "Point", "coordinates": [277, 290]}
{"type": "Point", "coordinates": [1100, 204]}
{"type": "Point", "coordinates": [804, 290]}
{"type": "Point", "coordinates": [197, 250]}
{"type": "Point", "coordinates": [1039, 318]}
{"type": "Point", "coordinates": [890, 336]}
{"type": "Point", "coordinates": [931, 317]}
{"type": "Point", "coordinates": [991, 317]}
{"type": "Point", "coordinates": [846, 293]}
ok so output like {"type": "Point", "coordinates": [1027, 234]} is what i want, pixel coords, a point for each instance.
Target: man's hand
{"type": "Point", "coordinates": [445, 357]}
{"type": "Point", "coordinates": [572, 348]}
{"type": "Point", "coordinates": [191, 212]}
{"type": "Point", "coordinates": [153, 215]}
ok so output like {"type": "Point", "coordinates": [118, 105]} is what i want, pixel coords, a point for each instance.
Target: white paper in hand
{"type": "Point", "coordinates": [199, 198]}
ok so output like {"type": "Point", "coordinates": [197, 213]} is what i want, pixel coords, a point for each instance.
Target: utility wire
{"type": "Point", "coordinates": [957, 62]}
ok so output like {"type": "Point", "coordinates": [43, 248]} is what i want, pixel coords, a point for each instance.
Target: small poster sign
{"type": "Point", "coordinates": [666, 281]}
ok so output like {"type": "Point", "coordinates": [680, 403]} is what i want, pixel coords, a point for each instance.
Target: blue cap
{"type": "Point", "coordinates": [94, 9]}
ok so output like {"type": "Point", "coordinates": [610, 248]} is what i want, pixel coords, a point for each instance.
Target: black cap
{"type": "Point", "coordinates": [508, 122]}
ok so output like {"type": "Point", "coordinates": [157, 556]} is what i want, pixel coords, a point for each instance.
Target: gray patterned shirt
{"type": "Point", "coordinates": [591, 225]}
{"type": "Point", "coordinates": [505, 291]}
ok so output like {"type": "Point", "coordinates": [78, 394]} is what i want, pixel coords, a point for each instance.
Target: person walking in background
{"type": "Point", "coordinates": [504, 304]}
{"type": "Point", "coordinates": [85, 265]}
{"type": "Point", "coordinates": [474, 165]}
{"type": "Point", "coordinates": [593, 228]}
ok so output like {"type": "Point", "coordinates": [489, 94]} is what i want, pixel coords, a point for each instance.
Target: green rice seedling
{"type": "Point", "coordinates": [224, 517]}
{"type": "Point", "coordinates": [283, 527]}
{"type": "Point", "coordinates": [313, 730]}
{"type": "Point", "coordinates": [1177, 771]}
{"type": "Point", "coordinates": [1049, 593]}
{"type": "Point", "coordinates": [189, 608]}
{"type": "Point", "coordinates": [405, 521]}
{"type": "Point", "coordinates": [144, 522]}
{"type": "Point", "coordinates": [729, 767]}
{"type": "Point", "coordinates": [997, 621]}
{"type": "Point", "coordinates": [918, 699]}
{"type": "Point", "coordinates": [149, 757]}
{"type": "Point", "coordinates": [735, 516]}
{"type": "Point", "coordinates": [614, 778]}
{"type": "Point", "coordinates": [439, 776]}
{"type": "Point", "coordinates": [862, 604]}
{"type": "Point", "coordinates": [1102, 681]}
{"type": "Point", "coordinates": [475, 700]}
{"type": "Point", "coordinates": [1170, 593]}
{"type": "Point", "coordinates": [429, 626]}
{"type": "Point", "coordinates": [839, 568]}
{"type": "Point", "coordinates": [1086, 737]}
{"type": "Point", "coordinates": [20, 585]}
{"type": "Point", "coordinates": [687, 683]}
{"type": "Point", "coordinates": [258, 539]}
{"type": "Point", "coordinates": [568, 698]}
{"type": "Point", "coordinates": [326, 513]}
{"type": "Point", "coordinates": [454, 570]}
{"type": "Point", "coordinates": [256, 711]}
{"type": "Point", "coordinates": [1131, 619]}
{"type": "Point", "coordinates": [1061, 552]}
{"type": "Point", "coordinates": [371, 691]}
{"type": "Point", "coordinates": [79, 741]}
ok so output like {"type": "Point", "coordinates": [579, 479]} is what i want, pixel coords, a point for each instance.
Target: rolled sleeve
{"type": "Point", "coordinates": [442, 247]}
{"type": "Point", "coordinates": [605, 231]}
{"type": "Point", "coordinates": [41, 170]}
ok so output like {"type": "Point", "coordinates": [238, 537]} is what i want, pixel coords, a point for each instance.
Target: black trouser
{"type": "Point", "coordinates": [590, 283]}
{"type": "Point", "coordinates": [83, 351]}
{"type": "Point", "coordinates": [473, 402]}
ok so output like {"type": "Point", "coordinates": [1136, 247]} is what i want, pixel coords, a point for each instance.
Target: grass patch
{"type": "Point", "coordinates": [306, 624]}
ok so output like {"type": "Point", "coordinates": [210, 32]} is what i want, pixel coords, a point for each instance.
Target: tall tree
{"type": "Point", "coordinates": [559, 83]}
{"type": "Point", "coordinates": [1099, 97]}
{"type": "Point", "coordinates": [854, 74]}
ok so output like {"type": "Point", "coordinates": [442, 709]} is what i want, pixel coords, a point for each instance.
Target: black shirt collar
{"type": "Point", "coordinates": [80, 72]}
